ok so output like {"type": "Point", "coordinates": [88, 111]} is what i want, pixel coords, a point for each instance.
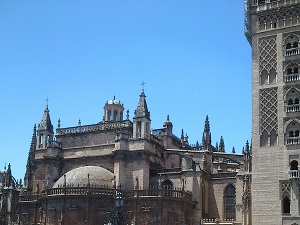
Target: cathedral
{"type": "Point", "coordinates": [119, 171]}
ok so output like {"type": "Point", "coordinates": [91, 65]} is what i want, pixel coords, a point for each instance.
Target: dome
{"type": "Point", "coordinates": [114, 101]}
{"type": "Point", "coordinates": [95, 175]}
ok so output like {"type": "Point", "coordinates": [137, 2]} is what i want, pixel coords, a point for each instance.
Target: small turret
{"type": "Point", "coordinates": [206, 138]}
{"type": "Point", "coordinates": [141, 119]}
{"type": "Point", "coordinates": [45, 130]}
{"type": "Point", "coordinates": [113, 110]}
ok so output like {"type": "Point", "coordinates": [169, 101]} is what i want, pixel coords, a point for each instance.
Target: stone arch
{"type": "Point", "coordinates": [292, 132]}
{"type": "Point", "coordinates": [289, 122]}
{"type": "Point", "coordinates": [291, 38]}
{"type": "Point", "coordinates": [290, 90]}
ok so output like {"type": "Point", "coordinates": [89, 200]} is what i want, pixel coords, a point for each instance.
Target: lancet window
{"type": "Point", "coordinates": [229, 202]}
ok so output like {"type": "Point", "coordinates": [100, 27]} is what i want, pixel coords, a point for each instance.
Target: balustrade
{"type": "Point", "coordinates": [293, 108]}
{"type": "Point", "coordinates": [269, 4]}
{"type": "Point", "coordinates": [292, 51]}
{"type": "Point", "coordinates": [291, 77]}
{"type": "Point", "coordinates": [294, 174]}
{"type": "Point", "coordinates": [217, 222]}
{"type": "Point", "coordinates": [293, 141]}
{"type": "Point", "coordinates": [91, 128]}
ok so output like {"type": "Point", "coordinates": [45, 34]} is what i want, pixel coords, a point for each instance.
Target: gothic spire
{"type": "Point", "coordinates": [247, 149]}
{"type": "Point", "coordinates": [222, 145]}
{"type": "Point", "coordinates": [182, 135]}
{"type": "Point", "coordinates": [30, 159]}
{"type": "Point", "coordinates": [45, 123]}
{"type": "Point", "coordinates": [142, 109]}
{"type": "Point", "coordinates": [8, 180]}
{"type": "Point", "coordinates": [206, 138]}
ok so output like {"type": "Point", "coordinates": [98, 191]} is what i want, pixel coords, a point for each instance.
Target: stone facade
{"type": "Point", "coordinates": [119, 171]}
{"type": "Point", "coordinates": [272, 28]}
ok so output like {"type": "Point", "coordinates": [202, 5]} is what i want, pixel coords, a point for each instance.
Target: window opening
{"type": "Point", "coordinates": [294, 165]}
{"type": "Point", "coordinates": [286, 205]}
{"type": "Point", "coordinates": [229, 197]}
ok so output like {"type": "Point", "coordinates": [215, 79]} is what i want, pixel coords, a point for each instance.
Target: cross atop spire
{"type": "Point", "coordinates": [143, 85]}
{"type": "Point", "coordinates": [47, 100]}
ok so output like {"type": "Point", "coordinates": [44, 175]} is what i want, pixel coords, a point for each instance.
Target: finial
{"type": "Point", "coordinates": [182, 135]}
{"type": "Point", "coordinates": [127, 115]}
{"type": "Point", "coordinates": [114, 97]}
{"type": "Point", "coordinates": [5, 166]}
{"type": "Point", "coordinates": [143, 85]}
{"type": "Point", "coordinates": [233, 149]}
{"type": "Point", "coordinates": [168, 118]}
{"type": "Point", "coordinates": [79, 122]}
{"type": "Point", "coordinates": [47, 100]}
{"type": "Point", "coordinates": [58, 123]}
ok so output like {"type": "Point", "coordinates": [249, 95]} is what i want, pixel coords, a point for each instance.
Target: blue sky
{"type": "Point", "coordinates": [192, 55]}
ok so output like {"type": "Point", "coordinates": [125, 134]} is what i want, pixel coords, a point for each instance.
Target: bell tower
{"type": "Point", "coordinates": [141, 119]}
{"type": "Point", "coordinates": [272, 28]}
{"type": "Point", "coordinates": [44, 131]}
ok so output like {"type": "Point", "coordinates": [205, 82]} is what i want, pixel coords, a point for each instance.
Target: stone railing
{"type": "Point", "coordinates": [79, 191]}
{"type": "Point", "coordinates": [218, 222]}
{"type": "Point", "coordinates": [291, 51]}
{"type": "Point", "coordinates": [293, 108]}
{"type": "Point", "coordinates": [165, 193]}
{"type": "Point", "coordinates": [93, 127]}
{"type": "Point", "coordinates": [27, 196]}
{"type": "Point", "coordinates": [294, 174]}
{"type": "Point", "coordinates": [269, 4]}
{"type": "Point", "coordinates": [291, 77]}
{"type": "Point", "coordinates": [293, 141]}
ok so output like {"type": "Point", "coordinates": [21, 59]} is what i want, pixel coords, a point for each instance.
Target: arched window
{"type": "Point", "coordinates": [296, 70]}
{"type": "Point", "coordinates": [229, 200]}
{"type": "Point", "coordinates": [116, 115]}
{"type": "Point", "coordinates": [109, 115]}
{"type": "Point", "coordinates": [296, 101]}
{"type": "Point", "coordinates": [290, 102]}
{"type": "Point", "coordinates": [294, 165]}
{"type": "Point", "coordinates": [291, 134]}
{"type": "Point", "coordinates": [288, 46]}
{"type": "Point", "coordinates": [167, 187]}
{"type": "Point", "coordinates": [289, 71]}
{"type": "Point", "coordinates": [295, 44]}
{"type": "Point", "coordinates": [286, 205]}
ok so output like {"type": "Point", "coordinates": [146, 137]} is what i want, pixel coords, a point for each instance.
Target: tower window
{"type": "Point", "coordinates": [116, 118]}
{"type": "Point", "coordinates": [286, 205]}
{"type": "Point", "coordinates": [109, 115]}
{"type": "Point", "coordinates": [294, 165]}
